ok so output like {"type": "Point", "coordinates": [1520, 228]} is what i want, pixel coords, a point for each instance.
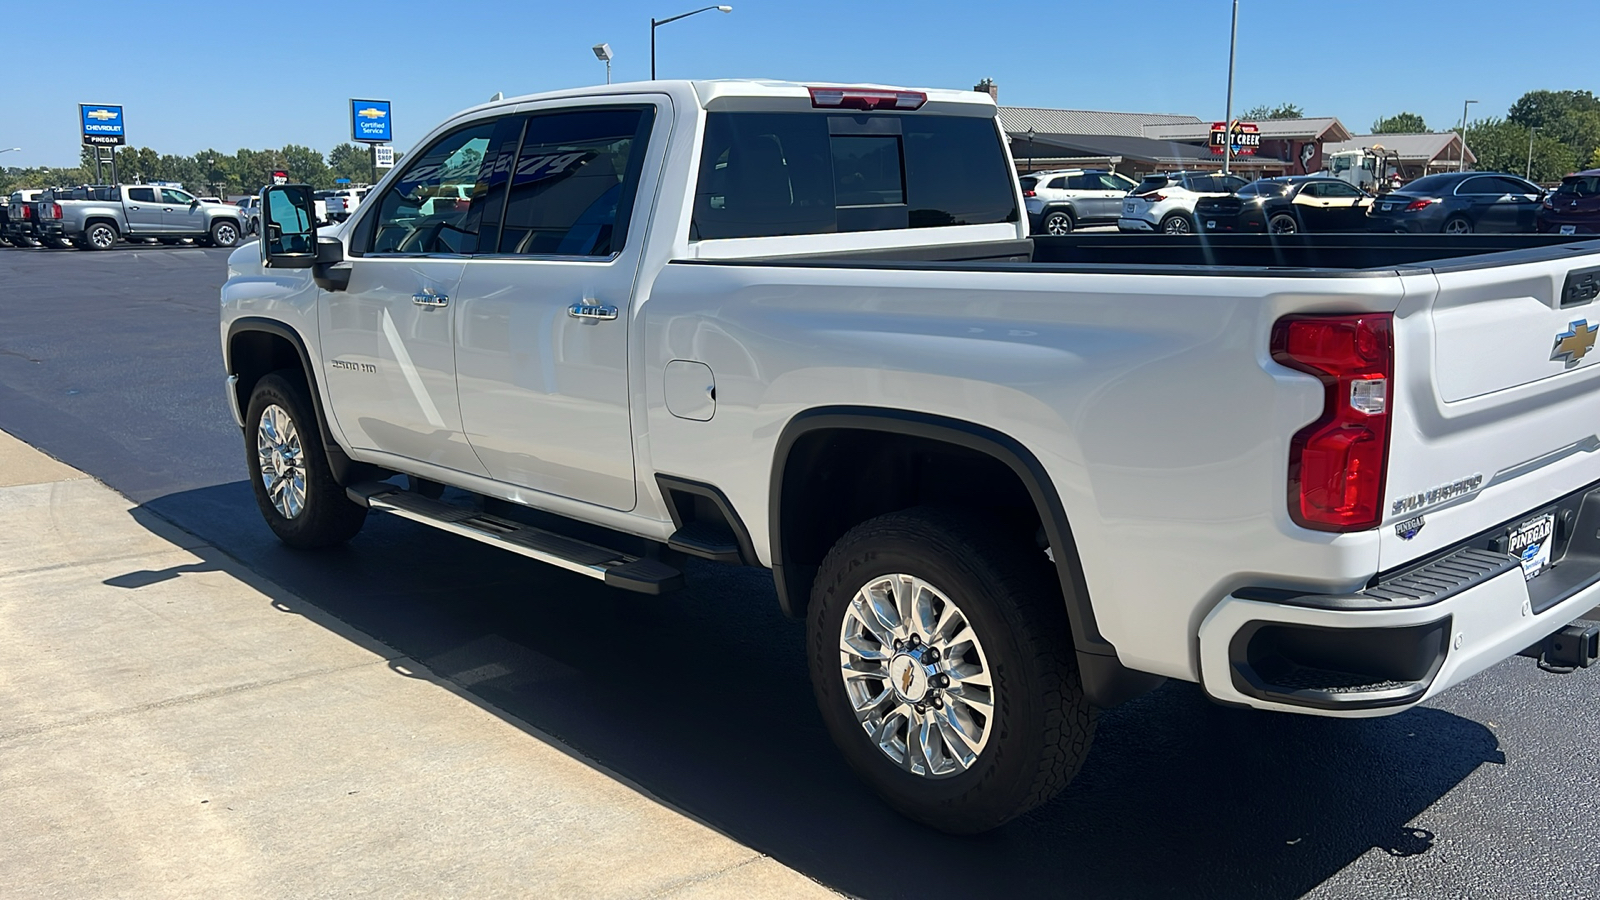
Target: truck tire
{"type": "Point", "coordinates": [294, 486]}
{"type": "Point", "coordinates": [942, 662]}
{"type": "Point", "coordinates": [100, 236]}
{"type": "Point", "coordinates": [55, 243]}
{"type": "Point", "coordinates": [224, 234]}
{"type": "Point", "coordinates": [1058, 221]}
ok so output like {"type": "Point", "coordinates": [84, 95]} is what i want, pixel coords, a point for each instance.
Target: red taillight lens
{"type": "Point", "coordinates": [1337, 464]}
{"type": "Point", "coordinates": [1029, 194]}
{"type": "Point", "coordinates": [1154, 198]}
{"type": "Point", "coordinates": [865, 98]}
{"type": "Point", "coordinates": [27, 211]}
{"type": "Point", "coordinates": [55, 210]}
{"type": "Point", "coordinates": [1415, 205]}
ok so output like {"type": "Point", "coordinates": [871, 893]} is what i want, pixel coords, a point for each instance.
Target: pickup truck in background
{"type": "Point", "coordinates": [1005, 483]}
{"type": "Point", "coordinates": [132, 211]}
{"type": "Point", "coordinates": [342, 203]}
{"type": "Point", "coordinates": [20, 227]}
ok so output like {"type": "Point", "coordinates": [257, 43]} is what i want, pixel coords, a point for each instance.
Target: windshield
{"type": "Point", "coordinates": [1028, 184]}
{"type": "Point", "coordinates": [1580, 186]}
{"type": "Point", "coordinates": [1432, 184]}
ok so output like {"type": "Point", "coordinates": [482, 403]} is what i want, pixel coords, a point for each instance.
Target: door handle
{"type": "Point", "coordinates": [431, 298]}
{"type": "Point", "coordinates": [588, 311]}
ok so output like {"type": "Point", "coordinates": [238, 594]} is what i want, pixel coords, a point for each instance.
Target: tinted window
{"type": "Point", "coordinates": [1028, 183]}
{"type": "Point", "coordinates": [1337, 190]}
{"type": "Point", "coordinates": [142, 195]}
{"type": "Point", "coordinates": [425, 210]}
{"type": "Point", "coordinates": [574, 181]}
{"type": "Point", "coordinates": [1431, 185]}
{"type": "Point", "coordinates": [1201, 184]}
{"type": "Point", "coordinates": [765, 174]}
{"type": "Point", "coordinates": [1152, 183]}
{"type": "Point", "coordinates": [1580, 186]}
{"type": "Point", "coordinates": [1108, 181]}
{"type": "Point", "coordinates": [1064, 183]}
{"type": "Point", "coordinates": [1263, 189]}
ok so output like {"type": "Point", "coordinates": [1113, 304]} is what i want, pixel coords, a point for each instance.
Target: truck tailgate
{"type": "Point", "coordinates": [1497, 406]}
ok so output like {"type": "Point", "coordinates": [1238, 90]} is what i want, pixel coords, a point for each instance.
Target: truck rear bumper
{"type": "Point", "coordinates": [1407, 638]}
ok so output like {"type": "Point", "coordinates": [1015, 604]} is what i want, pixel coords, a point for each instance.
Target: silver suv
{"type": "Point", "coordinates": [1063, 199]}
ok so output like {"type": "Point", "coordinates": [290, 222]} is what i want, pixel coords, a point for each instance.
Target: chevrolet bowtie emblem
{"type": "Point", "coordinates": [906, 679]}
{"type": "Point", "coordinates": [371, 112]}
{"type": "Point", "coordinates": [101, 114]}
{"type": "Point", "coordinates": [1574, 343]}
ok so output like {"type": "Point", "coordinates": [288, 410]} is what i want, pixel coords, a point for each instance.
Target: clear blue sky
{"type": "Point", "coordinates": [203, 76]}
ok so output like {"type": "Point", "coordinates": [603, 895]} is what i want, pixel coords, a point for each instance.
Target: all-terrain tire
{"type": "Point", "coordinates": [326, 517]}
{"type": "Point", "coordinates": [1042, 725]}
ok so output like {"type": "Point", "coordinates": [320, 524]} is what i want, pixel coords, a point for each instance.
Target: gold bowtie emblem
{"type": "Point", "coordinates": [905, 680]}
{"type": "Point", "coordinates": [1575, 343]}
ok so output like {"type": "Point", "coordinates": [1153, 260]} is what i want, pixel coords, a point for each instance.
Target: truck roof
{"type": "Point", "coordinates": [721, 93]}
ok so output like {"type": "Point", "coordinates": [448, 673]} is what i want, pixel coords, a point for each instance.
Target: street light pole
{"type": "Point", "coordinates": [1531, 132]}
{"type": "Point", "coordinates": [1030, 149]}
{"type": "Point", "coordinates": [656, 23]}
{"type": "Point", "coordinates": [1227, 124]}
{"type": "Point", "coordinates": [1463, 165]}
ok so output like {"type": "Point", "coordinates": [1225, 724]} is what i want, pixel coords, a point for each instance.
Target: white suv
{"type": "Point", "coordinates": [1165, 203]}
{"type": "Point", "coordinates": [1063, 199]}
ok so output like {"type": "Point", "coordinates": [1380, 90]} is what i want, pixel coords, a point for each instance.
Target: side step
{"type": "Point", "coordinates": [616, 569]}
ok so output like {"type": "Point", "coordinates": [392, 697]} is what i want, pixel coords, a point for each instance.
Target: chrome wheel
{"type": "Point", "coordinates": [1176, 225]}
{"type": "Point", "coordinates": [1458, 226]}
{"type": "Point", "coordinates": [102, 237]}
{"type": "Point", "coordinates": [916, 676]}
{"type": "Point", "coordinates": [225, 235]}
{"type": "Point", "coordinates": [1058, 223]}
{"type": "Point", "coordinates": [281, 462]}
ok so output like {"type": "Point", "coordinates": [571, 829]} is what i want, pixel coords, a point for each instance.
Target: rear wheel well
{"type": "Point", "coordinates": [101, 220]}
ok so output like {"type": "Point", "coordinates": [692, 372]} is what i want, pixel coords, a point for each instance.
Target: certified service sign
{"type": "Point", "coordinates": [370, 122]}
{"type": "Point", "coordinates": [102, 124]}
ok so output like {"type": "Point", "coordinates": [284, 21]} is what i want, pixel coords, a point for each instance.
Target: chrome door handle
{"type": "Point", "coordinates": [430, 298]}
{"type": "Point", "coordinates": [587, 311]}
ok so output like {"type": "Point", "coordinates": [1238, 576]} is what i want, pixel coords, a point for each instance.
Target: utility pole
{"type": "Point", "coordinates": [1462, 167]}
{"type": "Point", "coordinates": [1531, 131]}
{"type": "Point", "coordinates": [1227, 124]}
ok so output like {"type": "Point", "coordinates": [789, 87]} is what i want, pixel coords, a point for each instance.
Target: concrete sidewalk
{"type": "Point", "coordinates": [172, 726]}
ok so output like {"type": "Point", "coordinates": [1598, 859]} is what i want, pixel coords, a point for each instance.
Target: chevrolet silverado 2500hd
{"type": "Point", "coordinates": [802, 328]}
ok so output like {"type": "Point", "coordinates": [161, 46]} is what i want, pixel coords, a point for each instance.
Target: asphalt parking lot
{"type": "Point", "coordinates": [110, 362]}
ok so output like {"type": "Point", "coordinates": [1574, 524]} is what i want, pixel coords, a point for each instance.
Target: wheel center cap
{"type": "Point", "coordinates": [908, 677]}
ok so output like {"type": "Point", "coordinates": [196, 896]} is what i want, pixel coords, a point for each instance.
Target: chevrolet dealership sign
{"type": "Point", "coordinates": [370, 122]}
{"type": "Point", "coordinates": [102, 124]}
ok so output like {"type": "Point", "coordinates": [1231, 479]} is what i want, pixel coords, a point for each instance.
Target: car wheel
{"type": "Point", "coordinates": [294, 486]}
{"type": "Point", "coordinates": [100, 236]}
{"type": "Point", "coordinates": [1457, 225]}
{"type": "Point", "coordinates": [1177, 223]}
{"type": "Point", "coordinates": [942, 663]}
{"type": "Point", "coordinates": [1058, 222]}
{"type": "Point", "coordinates": [1283, 223]}
{"type": "Point", "coordinates": [224, 234]}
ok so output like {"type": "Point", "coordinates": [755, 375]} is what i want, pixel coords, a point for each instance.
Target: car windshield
{"type": "Point", "coordinates": [1580, 186]}
{"type": "Point", "coordinates": [1432, 184]}
{"type": "Point", "coordinates": [1263, 189]}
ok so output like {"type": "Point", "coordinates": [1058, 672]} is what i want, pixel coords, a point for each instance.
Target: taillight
{"type": "Point", "coordinates": [865, 98]}
{"type": "Point", "coordinates": [55, 210]}
{"type": "Point", "coordinates": [1549, 202]}
{"type": "Point", "coordinates": [1153, 198]}
{"type": "Point", "coordinates": [1029, 194]}
{"type": "Point", "coordinates": [1415, 205]}
{"type": "Point", "coordinates": [27, 211]}
{"type": "Point", "coordinates": [1337, 464]}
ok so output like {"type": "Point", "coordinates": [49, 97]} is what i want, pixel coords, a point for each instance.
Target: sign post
{"type": "Point", "coordinates": [371, 124]}
{"type": "Point", "coordinates": [102, 126]}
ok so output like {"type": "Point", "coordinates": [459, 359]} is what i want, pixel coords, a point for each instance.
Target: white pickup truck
{"type": "Point", "coordinates": [804, 328]}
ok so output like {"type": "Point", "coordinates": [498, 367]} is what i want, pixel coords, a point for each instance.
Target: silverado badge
{"type": "Point", "coordinates": [1574, 343]}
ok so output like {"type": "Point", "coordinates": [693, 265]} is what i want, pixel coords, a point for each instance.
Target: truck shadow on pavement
{"type": "Point", "coordinates": [701, 699]}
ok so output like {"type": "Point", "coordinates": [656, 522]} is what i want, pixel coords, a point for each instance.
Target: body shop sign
{"type": "Point", "coordinates": [1246, 138]}
{"type": "Point", "coordinates": [102, 124]}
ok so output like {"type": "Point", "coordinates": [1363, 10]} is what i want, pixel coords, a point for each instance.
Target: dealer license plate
{"type": "Point", "coordinates": [1129, 206]}
{"type": "Point", "coordinates": [1569, 229]}
{"type": "Point", "coordinates": [1530, 542]}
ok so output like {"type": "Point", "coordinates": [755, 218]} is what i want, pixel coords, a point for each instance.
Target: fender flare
{"type": "Point", "coordinates": [1105, 681]}
{"type": "Point", "coordinates": [345, 470]}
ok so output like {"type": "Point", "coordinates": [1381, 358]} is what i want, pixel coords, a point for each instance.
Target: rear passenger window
{"type": "Point", "coordinates": [768, 174]}
{"type": "Point", "coordinates": [141, 195]}
{"type": "Point", "coordinates": [574, 182]}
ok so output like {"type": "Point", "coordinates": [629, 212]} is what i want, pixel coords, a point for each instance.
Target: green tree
{"type": "Point", "coordinates": [1502, 146]}
{"type": "Point", "coordinates": [1572, 117]}
{"type": "Point", "coordinates": [350, 161]}
{"type": "Point", "coordinates": [1281, 111]}
{"type": "Point", "coordinates": [306, 166]}
{"type": "Point", "coordinates": [1400, 123]}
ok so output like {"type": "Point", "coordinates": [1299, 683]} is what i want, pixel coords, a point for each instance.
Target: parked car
{"type": "Point", "coordinates": [1286, 206]}
{"type": "Point", "coordinates": [1165, 203]}
{"type": "Point", "coordinates": [249, 214]}
{"type": "Point", "coordinates": [999, 494]}
{"type": "Point", "coordinates": [341, 203]}
{"type": "Point", "coordinates": [21, 226]}
{"type": "Point", "coordinates": [1459, 203]}
{"type": "Point", "coordinates": [1063, 199]}
{"type": "Point", "coordinates": [139, 212]}
{"type": "Point", "coordinates": [1573, 207]}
